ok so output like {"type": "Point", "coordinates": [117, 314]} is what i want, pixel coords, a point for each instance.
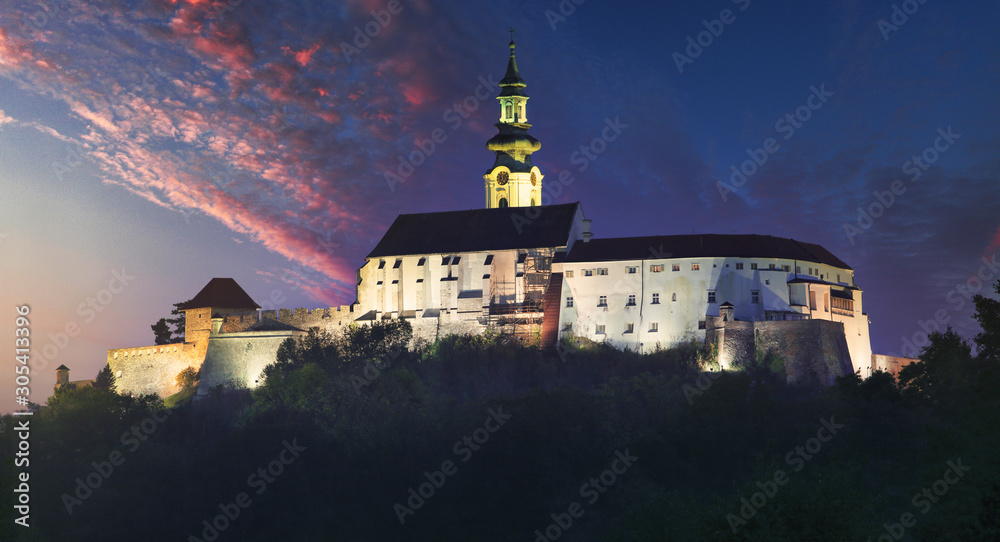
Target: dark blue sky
{"type": "Point", "coordinates": [181, 140]}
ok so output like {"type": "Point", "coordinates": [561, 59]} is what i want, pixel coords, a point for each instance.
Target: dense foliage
{"type": "Point", "coordinates": [503, 440]}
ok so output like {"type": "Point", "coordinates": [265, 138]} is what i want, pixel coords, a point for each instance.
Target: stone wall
{"type": "Point", "coordinates": [154, 369]}
{"type": "Point", "coordinates": [890, 364]}
{"type": "Point", "coordinates": [813, 350]}
{"type": "Point", "coordinates": [239, 358]}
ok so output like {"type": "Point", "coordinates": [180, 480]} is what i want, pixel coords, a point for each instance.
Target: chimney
{"type": "Point", "coordinates": [586, 230]}
{"type": "Point", "coordinates": [62, 375]}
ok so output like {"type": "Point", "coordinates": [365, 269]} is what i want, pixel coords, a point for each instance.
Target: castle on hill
{"type": "Point", "coordinates": [537, 271]}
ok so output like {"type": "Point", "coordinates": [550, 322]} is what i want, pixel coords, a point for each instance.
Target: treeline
{"type": "Point", "coordinates": [357, 438]}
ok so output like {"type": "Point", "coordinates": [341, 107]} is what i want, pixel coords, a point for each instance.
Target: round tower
{"type": "Point", "coordinates": [62, 375]}
{"type": "Point", "coordinates": [513, 181]}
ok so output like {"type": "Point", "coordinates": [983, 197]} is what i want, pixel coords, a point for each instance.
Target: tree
{"type": "Point", "coordinates": [988, 315]}
{"type": "Point", "coordinates": [946, 369]}
{"type": "Point", "coordinates": [170, 330]}
{"type": "Point", "coordinates": [188, 377]}
{"type": "Point", "coordinates": [106, 379]}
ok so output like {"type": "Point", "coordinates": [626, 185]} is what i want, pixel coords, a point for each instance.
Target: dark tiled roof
{"type": "Point", "coordinates": [222, 293]}
{"type": "Point", "coordinates": [62, 368]}
{"type": "Point", "coordinates": [478, 230]}
{"type": "Point", "coordinates": [701, 246]}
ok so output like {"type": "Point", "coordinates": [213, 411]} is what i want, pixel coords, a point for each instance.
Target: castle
{"type": "Point", "coordinates": [538, 272]}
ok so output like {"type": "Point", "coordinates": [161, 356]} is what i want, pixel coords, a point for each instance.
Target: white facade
{"type": "Point", "coordinates": [643, 304]}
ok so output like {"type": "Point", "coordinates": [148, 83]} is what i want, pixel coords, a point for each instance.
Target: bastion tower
{"type": "Point", "coordinates": [513, 181]}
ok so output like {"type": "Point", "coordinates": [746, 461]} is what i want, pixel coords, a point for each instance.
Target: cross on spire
{"type": "Point", "coordinates": [511, 34]}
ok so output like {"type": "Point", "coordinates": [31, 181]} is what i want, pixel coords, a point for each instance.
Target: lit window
{"type": "Point", "coordinates": [569, 274]}
{"type": "Point", "coordinates": [599, 329]}
{"type": "Point", "coordinates": [656, 268]}
{"type": "Point", "coordinates": [569, 301]}
{"type": "Point", "coordinates": [755, 296]}
{"type": "Point", "coordinates": [675, 268]}
{"type": "Point", "coordinates": [753, 266]}
{"type": "Point", "coordinates": [654, 327]}
{"type": "Point", "coordinates": [711, 296]}
{"type": "Point", "coordinates": [631, 300]}
{"type": "Point", "coordinates": [602, 301]}
{"type": "Point", "coordinates": [695, 267]}
{"type": "Point", "coordinates": [739, 266]}
{"type": "Point", "coordinates": [656, 299]}
{"type": "Point", "coordinates": [631, 270]}
{"type": "Point", "coordinates": [629, 327]}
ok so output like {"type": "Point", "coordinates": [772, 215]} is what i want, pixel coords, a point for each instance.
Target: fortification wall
{"type": "Point", "coordinates": [239, 358]}
{"type": "Point", "coordinates": [813, 350]}
{"type": "Point", "coordinates": [890, 364]}
{"type": "Point", "coordinates": [154, 369]}
{"type": "Point", "coordinates": [329, 318]}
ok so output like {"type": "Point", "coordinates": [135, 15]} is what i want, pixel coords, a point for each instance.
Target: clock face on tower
{"type": "Point", "coordinates": [502, 178]}
{"type": "Point", "coordinates": [533, 178]}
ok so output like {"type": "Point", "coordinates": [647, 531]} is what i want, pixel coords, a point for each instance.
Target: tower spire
{"type": "Point", "coordinates": [513, 181]}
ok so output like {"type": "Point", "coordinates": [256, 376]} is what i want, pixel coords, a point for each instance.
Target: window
{"type": "Point", "coordinates": [767, 282]}
{"type": "Point", "coordinates": [631, 300]}
{"type": "Point", "coordinates": [812, 300]}
{"type": "Point", "coordinates": [755, 296]}
{"type": "Point", "coordinates": [786, 268]}
{"type": "Point", "coordinates": [599, 329]}
{"type": "Point", "coordinates": [489, 260]}
{"type": "Point", "coordinates": [381, 264]}
{"type": "Point", "coordinates": [569, 274]}
{"type": "Point", "coordinates": [695, 267]}
{"type": "Point", "coordinates": [711, 296]}
{"type": "Point", "coordinates": [675, 268]}
{"type": "Point", "coordinates": [629, 327]}
{"type": "Point", "coordinates": [569, 301]}
{"type": "Point", "coordinates": [444, 260]}
{"type": "Point", "coordinates": [503, 203]}
{"type": "Point", "coordinates": [772, 266]}
{"type": "Point", "coordinates": [397, 264]}
{"type": "Point", "coordinates": [631, 270]}
{"type": "Point", "coordinates": [510, 110]}
{"type": "Point", "coordinates": [753, 266]}
{"type": "Point", "coordinates": [420, 262]}
{"type": "Point", "coordinates": [656, 268]}
{"type": "Point", "coordinates": [656, 299]}
{"type": "Point", "coordinates": [798, 269]}
{"type": "Point", "coordinates": [455, 260]}
{"type": "Point", "coordinates": [673, 296]}
{"type": "Point", "coordinates": [701, 324]}
{"type": "Point", "coordinates": [532, 202]}
{"type": "Point", "coordinates": [739, 266]}
{"type": "Point", "coordinates": [588, 272]}
{"type": "Point", "coordinates": [654, 327]}
{"type": "Point", "coordinates": [602, 271]}
{"type": "Point", "coordinates": [602, 301]}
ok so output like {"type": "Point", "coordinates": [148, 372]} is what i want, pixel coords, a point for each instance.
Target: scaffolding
{"type": "Point", "coordinates": [522, 317]}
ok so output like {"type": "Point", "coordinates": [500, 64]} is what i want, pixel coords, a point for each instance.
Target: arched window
{"type": "Point", "coordinates": [673, 296]}
{"type": "Point", "coordinates": [503, 203]}
{"type": "Point", "coordinates": [510, 111]}
{"type": "Point", "coordinates": [532, 202]}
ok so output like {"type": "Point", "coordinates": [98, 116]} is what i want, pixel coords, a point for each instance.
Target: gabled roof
{"type": "Point", "coordinates": [478, 230]}
{"type": "Point", "coordinates": [701, 246]}
{"type": "Point", "coordinates": [222, 293]}
{"type": "Point", "coordinates": [62, 368]}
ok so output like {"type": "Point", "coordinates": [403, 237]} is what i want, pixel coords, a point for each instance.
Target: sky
{"type": "Point", "coordinates": [146, 147]}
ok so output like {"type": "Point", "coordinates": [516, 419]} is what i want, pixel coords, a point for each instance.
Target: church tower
{"type": "Point", "coordinates": [513, 181]}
